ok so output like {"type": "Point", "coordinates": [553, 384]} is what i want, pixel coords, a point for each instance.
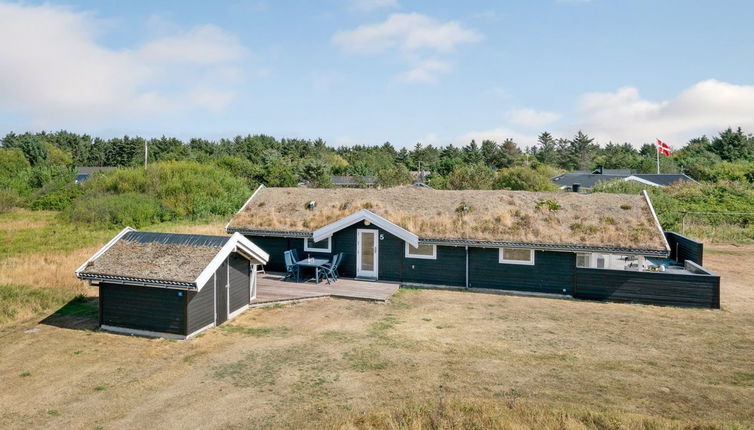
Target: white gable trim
{"type": "Point", "coordinates": [235, 243]}
{"type": "Point", "coordinates": [365, 215]}
{"type": "Point", "coordinates": [259, 188]}
{"type": "Point", "coordinates": [102, 250]}
{"type": "Point", "coordinates": [643, 181]}
{"type": "Point", "coordinates": [657, 221]}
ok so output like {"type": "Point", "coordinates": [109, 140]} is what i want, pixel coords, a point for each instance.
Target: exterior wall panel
{"type": "Point", "coordinates": [448, 269]}
{"type": "Point", "coordinates": [201, 306]}
{"type": "Point", "coordinates": [648, 288]}
{"type": "Point", "coordinates": [239, 282]}
{"type": "Point", "coordinates": [143, 308]}
{"type": "Point", "coordinates": [221, 293]}
{"type": "Point", "coordinates": [682, 248]}
{"type": "Point", "coordinates": [552, 272]}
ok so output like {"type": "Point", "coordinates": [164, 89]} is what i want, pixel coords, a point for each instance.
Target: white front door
{"type": "Point", "coordinates": [367, 253]}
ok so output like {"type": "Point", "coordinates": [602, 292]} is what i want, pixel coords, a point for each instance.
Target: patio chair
{"type": "Point", "coordinates": [331, 269]}
{"type": "Point", "coordinates": [294, 254]}
{"type": "Point", "coordinates": [291, 269]}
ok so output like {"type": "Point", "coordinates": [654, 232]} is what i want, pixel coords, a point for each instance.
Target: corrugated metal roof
{"type": "Point", "coordinates": [175, 239]}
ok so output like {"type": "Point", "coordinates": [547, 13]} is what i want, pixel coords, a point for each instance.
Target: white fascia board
{"type": "Point", "coordinates": [259, 188]}
{"type": "Point", "coordinates": [365, 215]}
{"type": "Point", "coordinates": [657, 221]}
{"type": "Point", "coordinates": [643, 181]}
{"type": "Point", "coordinates": [251, 249]}
{"type": "Point", "coordinates": [102, 250]}
{"type": "Point", "coordinates": [235, 241]}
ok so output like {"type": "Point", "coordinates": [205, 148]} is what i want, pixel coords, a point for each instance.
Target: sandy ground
{"type": "Point", "coordinates": [293, 365]}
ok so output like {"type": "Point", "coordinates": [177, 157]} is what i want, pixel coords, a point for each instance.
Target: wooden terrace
{"type": "Point", "coordinates": [272, 288]}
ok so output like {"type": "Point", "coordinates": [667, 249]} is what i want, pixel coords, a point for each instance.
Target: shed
{"type": "Point", "coordinates": [172, 285]}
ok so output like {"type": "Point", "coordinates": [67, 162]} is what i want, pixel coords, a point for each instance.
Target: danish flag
{"type": "Point", "coordinates": [663, 148]}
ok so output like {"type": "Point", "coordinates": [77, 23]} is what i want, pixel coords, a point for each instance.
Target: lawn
{"type": "Point", "coordinates": [426, 359]}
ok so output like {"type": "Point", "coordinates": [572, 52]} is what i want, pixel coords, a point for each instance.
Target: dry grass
{"type": "Point", "coordinates": [349, 364]}
{"type": "Point", "coordinates": [52, 270]}
{"type": "Point", "coordinates": [506, 216]}
{"type": "Point", "coordinates": [38, 251]}
{"type": "Point", "coordinates": [179, 263]}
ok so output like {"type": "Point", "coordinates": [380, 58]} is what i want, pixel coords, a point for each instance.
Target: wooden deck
{"type": "Point", "coordinates": [271, 288]}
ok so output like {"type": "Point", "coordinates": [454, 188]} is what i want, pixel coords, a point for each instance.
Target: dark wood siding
{"type": "Point", "coordinates": [201, 306]}
{"type": "Point", "coordinates": [221, 293]}
{"type": "Point", "coordinates": [390, 252]}
{"type": "Point", "coordinates": [648, 288]}
{"type": "Point", "coordinates": [275, 246]}
{"type": "Point", "coordinates": [682, 248]}
{"type": "Point", "coordinates": [551, 273]}
{"type": "Point", "coordinates": [239, 282]}
{"type": "Point", "coordinates": [143, 308]}
{"type": "Point", "coordinates": [448, 269]}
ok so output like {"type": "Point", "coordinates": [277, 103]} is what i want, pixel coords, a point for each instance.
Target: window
{"type": "Point", "coordinates": [584, 260]}
{"type": "Point", "coordinates": [424, 250]}
{"type": "Point", "coordinates": [516, 256]}
{"type": "Point", "coordinates": [609, 261]}
{"type": "Point", "coordinates": [321, 246]}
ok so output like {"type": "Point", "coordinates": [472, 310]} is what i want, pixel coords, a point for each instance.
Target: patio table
{"type": "Point", "coordinates": [316, 263]}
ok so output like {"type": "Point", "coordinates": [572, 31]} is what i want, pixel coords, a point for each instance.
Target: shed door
{"type": "Point", "coordinates": [367, 253]}
{"type": "Point", "coordinates": [221, 293]}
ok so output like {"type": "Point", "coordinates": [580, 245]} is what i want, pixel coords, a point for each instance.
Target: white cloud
{"type": "Point", "coordinates": [530, 118]}
{"type": "Point", "coordinates": [370, 5]}
{"type": "Point", "coordinates": [704, 108]}
{"type": "Point", "coordinates": [425, 72]}
{"type": "Point", "coordinates": [405, 31]}
{"type": "Point", "coordinates": [418, 38]}
{"type": "Point", "coordinates": [56, 72]}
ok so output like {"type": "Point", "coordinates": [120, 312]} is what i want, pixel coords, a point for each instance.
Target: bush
{"type": "Point", "coordinates": [524, 179]}
{"type": "Point", "coordinates": [12, 161]}
{"type": "Point", "coordinates": [179, 188]}
{"type": "Point", "coordinates": [57, 195]}
{"type": "Point", "coordinates": [9, 199]}
{"type": "Point", "coordinates": [129, 209]}
{"type": "Point", "coordinates": [469, 177]}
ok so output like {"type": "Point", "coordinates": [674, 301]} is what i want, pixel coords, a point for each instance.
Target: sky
{"type": "Point", "coordinates": [371, 71]}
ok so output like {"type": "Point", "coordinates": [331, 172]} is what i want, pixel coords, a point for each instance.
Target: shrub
{"type": "Point", "coordinates": [9, 199]}
{"type": "Point", "coordinates": [57, 195]}
{"type": "Point", "coordinates": [129, 209]}
{"type": "Point", "coordinates": [184, 188]}
{"type": "Point", "coordinates": [524, 179]}
{"type": "Point", "coordinates": [470, 177]}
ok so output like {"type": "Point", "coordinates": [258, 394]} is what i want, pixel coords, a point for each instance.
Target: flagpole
{"type": "Point", "coordinates": [657, 153]}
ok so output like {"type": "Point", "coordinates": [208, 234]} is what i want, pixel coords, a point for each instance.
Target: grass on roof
{"type": "Point", "coordinates": [600, 220]}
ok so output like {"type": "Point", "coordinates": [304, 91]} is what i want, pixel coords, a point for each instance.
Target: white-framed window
{"type": "Point", "coordinates": [426, 251]}
{"type": "Point", "coordinates": [322, 246]}
{"type": "Point", "coordinates": [584, 260]}
{"type": "Point", "coordinates": [609, 261]}
{"type": "Point", "coordinates": [516, 256]}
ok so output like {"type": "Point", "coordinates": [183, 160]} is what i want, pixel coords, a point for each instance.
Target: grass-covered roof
{"type": "Point", "coordinates": [597, 220]}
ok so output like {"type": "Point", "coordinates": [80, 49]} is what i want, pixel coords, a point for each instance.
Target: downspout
{"type": "Point", "coordinates": [467, 266]}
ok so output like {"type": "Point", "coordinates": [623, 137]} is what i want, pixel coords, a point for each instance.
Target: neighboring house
{"type": "Point", "coordinates": [567, 244]}
{"type": "Point", "coordinates": [354, 181]}
{"type": "Point", "coordinates": [587, 180]}
{"type": "Point", "coordinates": [83, 173]}
{"type": "Point", "coordinates": [172, 285]}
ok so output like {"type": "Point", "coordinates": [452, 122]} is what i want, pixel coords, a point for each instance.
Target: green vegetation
{"type": "Point", "coordinates": [707, 210]}
{"type": "Point", "coordinates": [17, 301]}
{"type": "Point", "coordinates": [195, 179]}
